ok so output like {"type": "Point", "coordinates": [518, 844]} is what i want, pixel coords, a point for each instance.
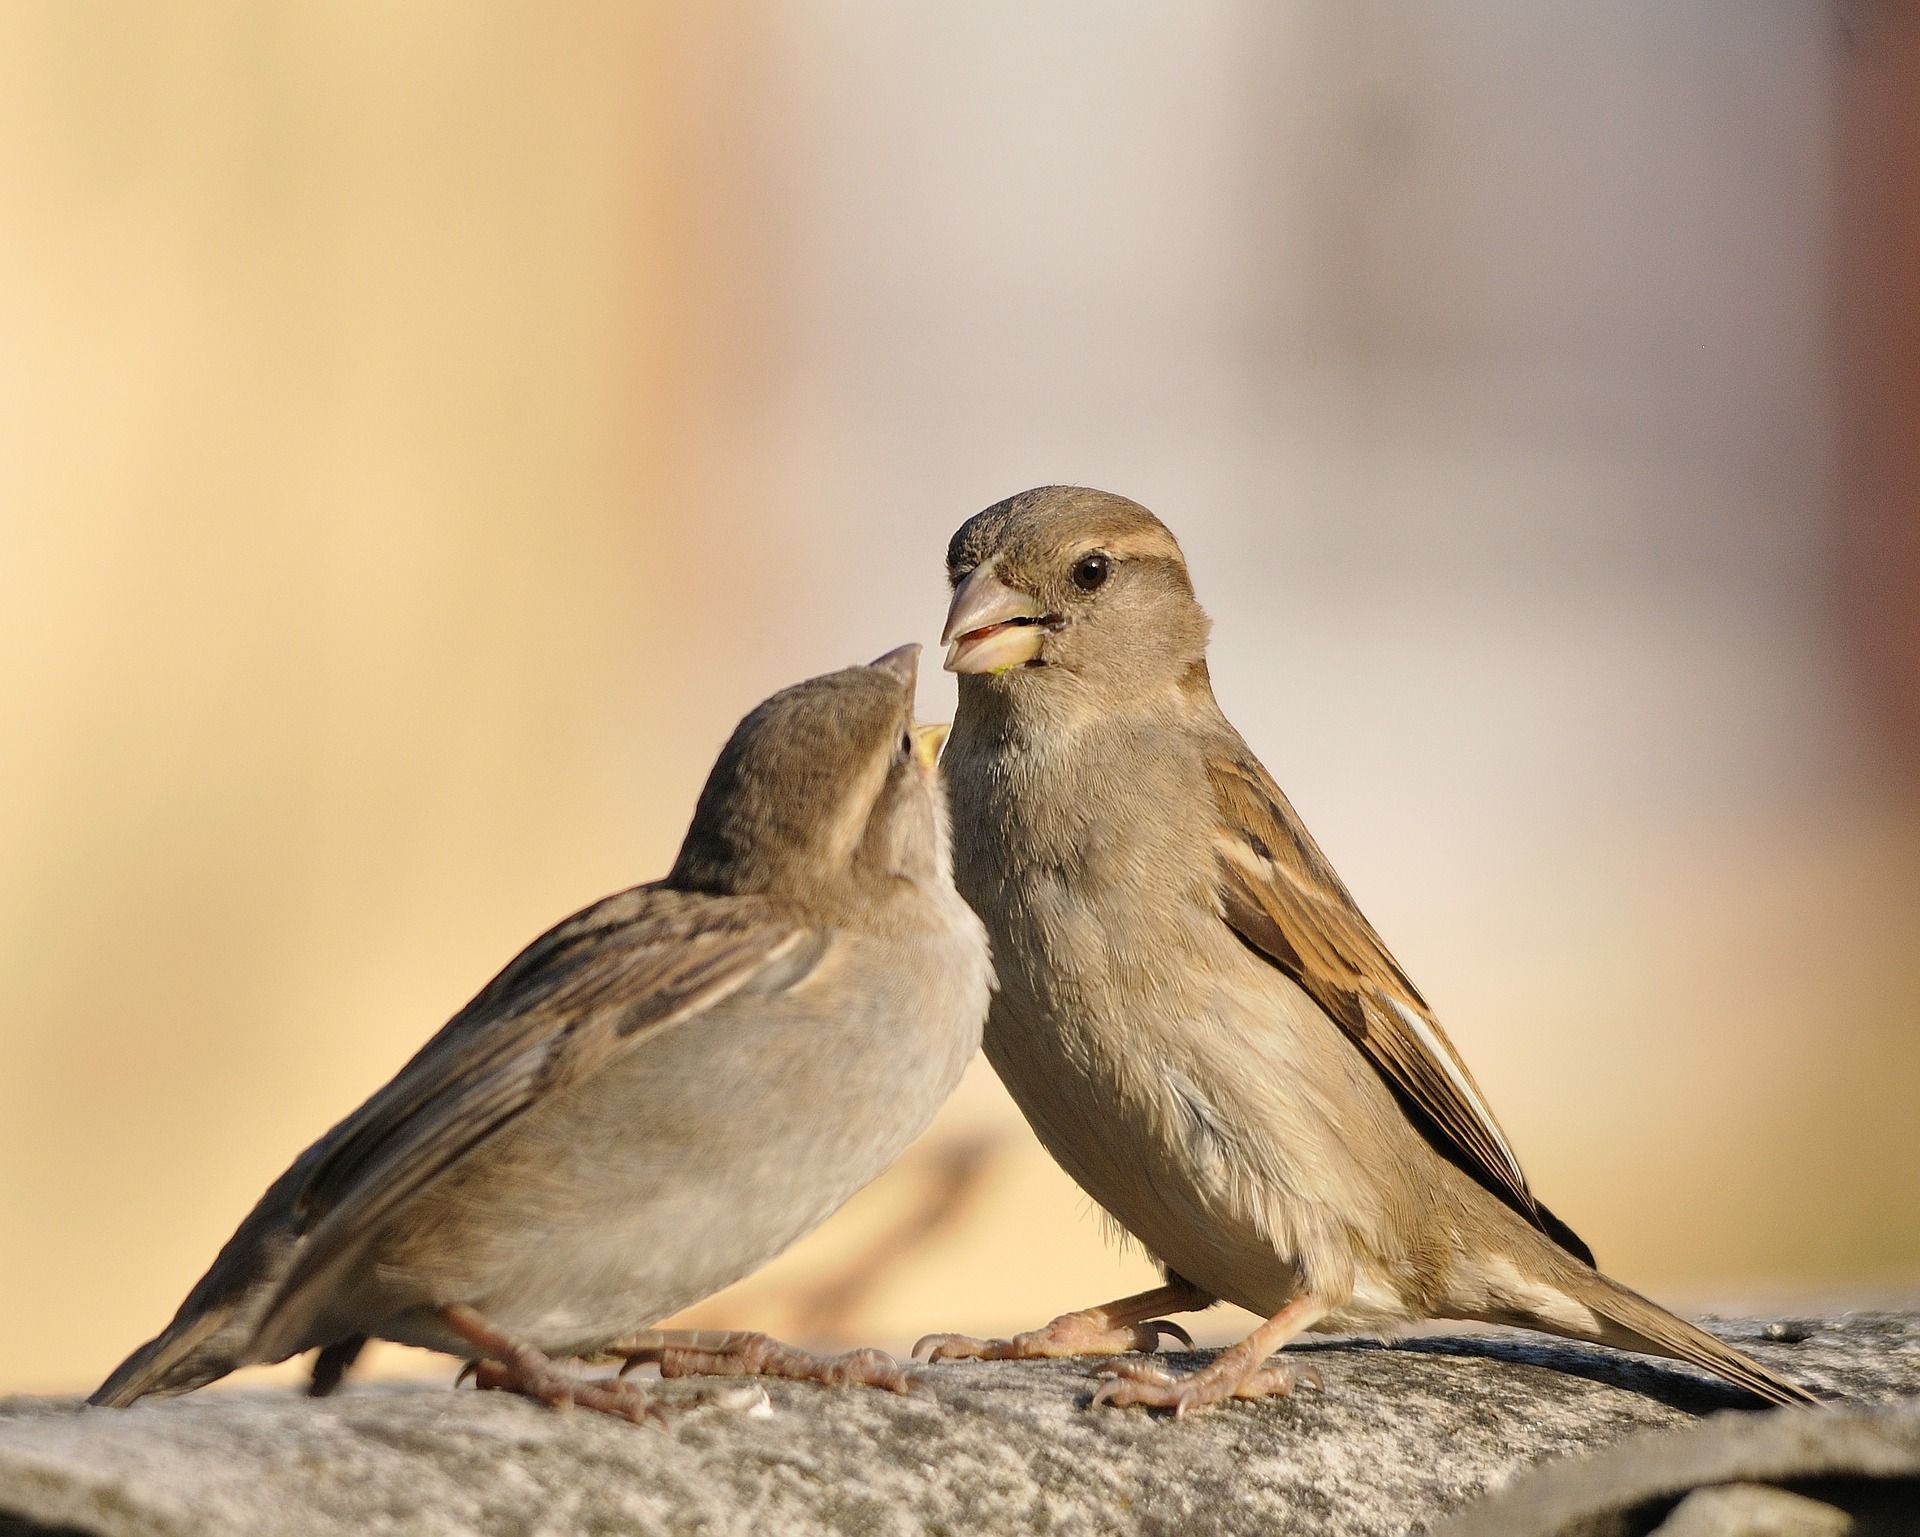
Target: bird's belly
{"type": "Point", "coordinates": [672, 1173]}
{"type": "Point", "coordinates": [1204, 1133]}
{"type": "Point", "coordinates": [1159, 1161]}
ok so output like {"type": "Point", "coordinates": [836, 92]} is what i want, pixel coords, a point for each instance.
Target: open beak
{"type": "Point", "coordinates": [991, 627]}
{"type": "Point", "coordinates": [927, 742]}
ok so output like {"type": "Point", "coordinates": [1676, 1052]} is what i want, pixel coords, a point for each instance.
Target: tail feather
{"type": "Point", "coordinates": [1645, 1326]}
{"type": "Point", "coordinates": [177, 1360]}
{"type": "Point", "coordinates": [1565, 1236]}
{"type": "Point", "coordinates": [214, 1332]}
{"type": "Point", "coordinates": [332, 1363]}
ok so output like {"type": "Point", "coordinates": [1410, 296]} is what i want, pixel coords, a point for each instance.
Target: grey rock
{"type": "Point", "coordinates": [1852, 1469]}
{"type": "Point", "coordinates": [1400, 1438]}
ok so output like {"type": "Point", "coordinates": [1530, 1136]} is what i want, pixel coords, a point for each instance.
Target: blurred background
{"type": "Point", "coordinates": [424, 430]}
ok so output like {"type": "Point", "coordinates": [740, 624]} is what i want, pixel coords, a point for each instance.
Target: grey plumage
{"type": "Point", "coordinates": [1193, 1014]}
{"type": "Point", "coordinates": [652, 1099]}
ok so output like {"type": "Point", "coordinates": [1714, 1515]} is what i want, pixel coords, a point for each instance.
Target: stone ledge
{"type": "Point", "coordinates": [1401, 1438]}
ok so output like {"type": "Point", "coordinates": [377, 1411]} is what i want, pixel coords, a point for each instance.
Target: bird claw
{"type": "Point", "coordinates": [957, 1347]}
{"type": "Point", "coordinates": [1141, 1384]}
{"type": "Point", "coordinates": [759, 1355]}
{"type": "Point", "coordinates": [1162, 1326]}
{"type": "Point", "coordinates": [559, 1391]}
{"type": "Point", "coordinates": [1071, 1334]}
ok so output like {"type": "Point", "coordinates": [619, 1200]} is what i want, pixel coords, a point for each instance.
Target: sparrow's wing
{"type": "Point", "coordinates": [587, 990]}
{"type": "Point", "coordinates": [1282, 898]}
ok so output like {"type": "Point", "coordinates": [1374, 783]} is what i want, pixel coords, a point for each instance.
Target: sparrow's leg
{"type": "Point", "coordinates": [1132, 1323]}
{"type": "Point", "coordinates": [518, 1368]}
{"type": "Point", "coordinates": [1239, 1371]}
{"type": "Point", "coordinates": [735, 1353]}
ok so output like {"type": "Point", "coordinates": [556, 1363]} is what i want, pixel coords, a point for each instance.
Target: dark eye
{"type": "Point", "coordinates": [906, 745]}
{"type": "Point", "coordinates": [1090, 571]}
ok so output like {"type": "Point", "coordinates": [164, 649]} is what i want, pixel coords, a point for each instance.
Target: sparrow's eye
{"type": "Point", "coordinates": [1090, 571]}
{"type": "Point", "coordinates": [905, 748]}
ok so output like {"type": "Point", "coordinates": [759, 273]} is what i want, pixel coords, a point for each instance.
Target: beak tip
{"type": "Point", "coordinates": [980, 602]}
{"type": "Point", "coordinates": [903, 662]}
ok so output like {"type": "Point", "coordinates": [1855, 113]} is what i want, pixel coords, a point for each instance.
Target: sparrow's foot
{"type": "Point", "coordinates": [730, 1354]}
{"type": "Point", "coordinates": [1113, 1328]}
{"type": "Point", "coordinates": [544, 1381]}
{"type": "Point", "coordinates": [1071, 1334]}
{"type": "Point", "coordinates": [1231, 1374]}
{"type": "Point", "coordinates": [505, 1365]}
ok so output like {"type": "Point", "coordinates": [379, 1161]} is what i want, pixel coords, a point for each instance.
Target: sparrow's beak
{"type": "Point", "coordinates": [903, 662]}
{"type": "Point", "coordinates": [927, 742]}
{"type": "Point", "coordinates": [991, 627]}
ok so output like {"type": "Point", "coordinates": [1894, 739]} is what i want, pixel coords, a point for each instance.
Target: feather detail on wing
{"type": "Point", "coordinates": [1283, 899]}
{"type": "Point", "coordinates": [615, 973]}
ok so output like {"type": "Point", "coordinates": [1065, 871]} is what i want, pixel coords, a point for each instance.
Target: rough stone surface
{"type": "Point", "coordinates": [1401, 1438]}
{"type": "Point", "coordinates": [1843, 1470]}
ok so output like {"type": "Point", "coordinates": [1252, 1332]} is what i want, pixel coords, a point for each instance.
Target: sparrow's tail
{"type": "Point", "coordinates": [332, 1363]}
{"type": "Point", "coordinates": [184, 1356]}
{"type": "Point", "coordinates": [1630, 1321]}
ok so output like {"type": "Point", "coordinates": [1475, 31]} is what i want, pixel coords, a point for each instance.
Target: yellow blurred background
{"type": "Point", "coordinates": [424, 430]}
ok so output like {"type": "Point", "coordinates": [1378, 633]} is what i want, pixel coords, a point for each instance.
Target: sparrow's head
{"type": "Point", "coordinates": [1066, 582]}
{"type": "Point", "coordinates": [825, 789]}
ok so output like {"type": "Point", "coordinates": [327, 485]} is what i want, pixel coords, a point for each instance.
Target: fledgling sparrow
{"type": "Point", "coordinates": [1193, 1014]}
{"type": "Point", "coordinates": [652, 1100]}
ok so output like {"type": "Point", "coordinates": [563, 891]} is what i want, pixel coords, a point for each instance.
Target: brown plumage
{"type": "Point", "coordinates": [651, 1100]}
{"type": "Point", "coordinates": [1194, 1015]}
{"type": "Point", "coordinates": [1282, 897]}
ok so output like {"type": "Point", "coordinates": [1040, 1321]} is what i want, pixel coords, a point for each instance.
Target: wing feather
{"type": "Point", "coordinates": [628, 967]}
{"type": "Point", "coordinates": [1282, 897]}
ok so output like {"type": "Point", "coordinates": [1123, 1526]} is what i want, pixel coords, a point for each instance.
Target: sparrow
{"type": "Point", "coordinates": [653, 1099]}
{"type": "Point", "coordinates": [1193, 1015]}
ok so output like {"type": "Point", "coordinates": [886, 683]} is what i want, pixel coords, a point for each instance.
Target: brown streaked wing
{"type": "Point", "coordinates": [628, 967]}
{"type": "Point", "coordinates": [1283, 899]}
